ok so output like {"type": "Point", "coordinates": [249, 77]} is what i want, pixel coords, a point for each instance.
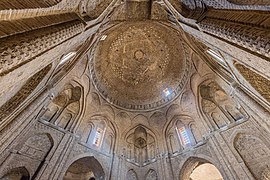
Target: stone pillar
{"type": "Point", "coordinates": [56, 163]}
{"type": "Point", "coordinates": [231, 167]}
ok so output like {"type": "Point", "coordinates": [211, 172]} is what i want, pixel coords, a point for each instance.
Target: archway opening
{"type": "Point", "coordinates": [20, 173]}
{"type": "Point", "coordinates": [87, 168]}
{"type": "Point", "coordinates": [198, 169]}
{"type": "Point", "coordinates": [206, 171]}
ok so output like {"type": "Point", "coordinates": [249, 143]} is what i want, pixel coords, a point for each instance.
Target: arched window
{"type": "Point", "coordinates": [95, 133]}
{"type": "Point", "coordinates": [184, 133]}
{"type": "Point", "coordinates": [184, 136]}
{"type": "Point", "coordinates": [98, 137]}
{"type": "Point", "coordinates": [98, 133]}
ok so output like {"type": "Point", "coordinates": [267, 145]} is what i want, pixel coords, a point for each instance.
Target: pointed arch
{"type": "Point", "coordinates": [140, 145]}
{"type": "Point", "coordinates": [192, 163]}
{"type": "Point", "coordinates": [17, 173]}
{"type": "Point", "coordinates": [131, 175]}
{"type": "Point", "coordinates": [151, 175]}
{"type": "Point", "coordinates": [32, 154]}
{"type": "Point", "coordinates": [84, 168]}
{"type": "Point", "coordinates": [217, 107]}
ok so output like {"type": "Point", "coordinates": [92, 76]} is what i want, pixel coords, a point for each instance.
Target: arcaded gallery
{"type": "Point", "coordinates": [134, 89]}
